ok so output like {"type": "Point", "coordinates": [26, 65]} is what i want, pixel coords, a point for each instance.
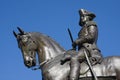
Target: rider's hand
{"type": "Point", "coordinates": [74, 45]}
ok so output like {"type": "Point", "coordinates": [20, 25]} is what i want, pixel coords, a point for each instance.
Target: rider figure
{"type": "Point", "coordinates": [87, 39]}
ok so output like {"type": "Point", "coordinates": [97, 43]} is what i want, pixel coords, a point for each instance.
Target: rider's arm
{"type": "Point", "coordinates": [89, 37]}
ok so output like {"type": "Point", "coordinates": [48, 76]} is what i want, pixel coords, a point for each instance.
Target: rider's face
{"type": "Point", "coordinates": [83, 19]}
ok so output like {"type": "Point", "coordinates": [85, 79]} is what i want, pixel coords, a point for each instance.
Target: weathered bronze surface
{"type": "Point", "coordinates": [50, 54]}
{"type": "Point", "coordinates": [86, 42]}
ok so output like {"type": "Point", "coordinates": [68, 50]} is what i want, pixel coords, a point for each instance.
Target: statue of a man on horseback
{"type": "Point", "coordinates": [58, 64]}
{"type": "Point", "coordinates": [87, 40]}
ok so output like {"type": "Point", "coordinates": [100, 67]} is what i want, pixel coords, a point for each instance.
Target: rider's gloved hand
{"type": "Point", "coordinates": [74, 45]}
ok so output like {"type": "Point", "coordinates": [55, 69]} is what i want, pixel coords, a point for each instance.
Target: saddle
{"type": "Point", "coordinates": [84, 68]}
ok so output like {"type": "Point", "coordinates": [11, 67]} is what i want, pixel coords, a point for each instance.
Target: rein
{"type": "Point", "coordinates": [47, 62]}
{"type": "Point", "coordinates": [41, 64]}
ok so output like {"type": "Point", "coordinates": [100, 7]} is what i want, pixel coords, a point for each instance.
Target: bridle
{"type": "Point", "coordinates": [41, 64]}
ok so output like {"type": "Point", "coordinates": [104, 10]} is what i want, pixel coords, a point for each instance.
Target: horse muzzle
{"type": "Point", "coordinates": [30, 62]}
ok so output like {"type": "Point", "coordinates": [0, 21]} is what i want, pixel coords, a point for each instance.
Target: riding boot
{"type": "Point", "coordinates": [74, 69]}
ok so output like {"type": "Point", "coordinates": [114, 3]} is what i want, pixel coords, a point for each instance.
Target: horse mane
{"type": "Point", "coordinates": [46, 38]}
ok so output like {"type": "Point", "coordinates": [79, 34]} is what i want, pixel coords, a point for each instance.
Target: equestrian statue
{"type": "Point", "coordinates": [83, 62]}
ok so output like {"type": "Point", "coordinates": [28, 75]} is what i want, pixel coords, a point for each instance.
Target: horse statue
{"type": "Point", "coordinates": [50, 54]}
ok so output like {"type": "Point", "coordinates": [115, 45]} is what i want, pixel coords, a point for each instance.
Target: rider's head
{"type": "Point", "coordinates": [85, 16]}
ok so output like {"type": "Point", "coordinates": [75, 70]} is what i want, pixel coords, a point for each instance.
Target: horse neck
{"type": "Point", "coordinates": [48, 48]}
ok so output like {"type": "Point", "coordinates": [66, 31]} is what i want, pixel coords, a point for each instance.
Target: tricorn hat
{"type": "Point", "coordinates": [87, 13]}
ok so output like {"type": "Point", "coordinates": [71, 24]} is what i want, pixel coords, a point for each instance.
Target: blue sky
{"type": "Point", "coordinates": [52, 17]}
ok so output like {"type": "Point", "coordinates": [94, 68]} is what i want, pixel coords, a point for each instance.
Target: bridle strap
{"type": "Point", "coordinates": [41, 64]}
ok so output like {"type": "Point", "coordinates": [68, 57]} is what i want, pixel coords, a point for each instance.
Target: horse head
{"type": "Point", "coordinates": [28, 47]}
{"type": "Point", "coordinates": [31, 43]}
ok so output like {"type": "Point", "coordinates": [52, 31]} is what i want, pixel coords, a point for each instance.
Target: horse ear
{"type": "Point", "coordinates": [20, 30]}
{"type": "Point", "coordinates": [15, 34]}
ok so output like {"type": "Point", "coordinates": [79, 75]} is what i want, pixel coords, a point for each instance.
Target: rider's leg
{"type": "Point", "coordinates": [75, 68]}
{"type": "Point", "coordinates": [75, 64]}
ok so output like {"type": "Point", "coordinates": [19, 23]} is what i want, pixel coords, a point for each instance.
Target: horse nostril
{"type": "Point", "coordinates": [28, 62]}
